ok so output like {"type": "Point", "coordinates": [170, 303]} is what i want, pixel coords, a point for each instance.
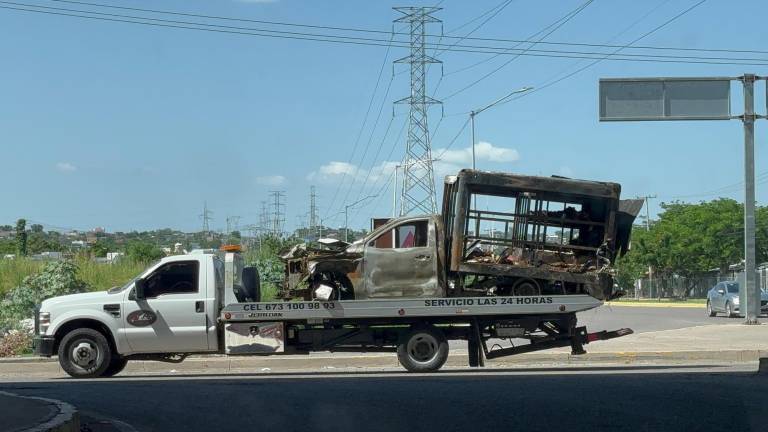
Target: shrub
{"type": "Point", "coordinates": [15, 342]}
{"type": "Point", "coordinates": [55, 279]}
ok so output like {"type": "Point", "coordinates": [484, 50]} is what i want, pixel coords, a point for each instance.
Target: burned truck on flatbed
{"type": "Point", "coordinates": [545, 236]}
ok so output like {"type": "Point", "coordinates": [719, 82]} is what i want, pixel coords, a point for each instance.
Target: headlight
{"type": "Point", "coordinates": [44, 321]}
{"type": "Point", "coordinates": [735, 300]}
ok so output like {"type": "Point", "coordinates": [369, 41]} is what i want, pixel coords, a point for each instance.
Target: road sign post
{"type": "Point", "coordinates": [699, 98]}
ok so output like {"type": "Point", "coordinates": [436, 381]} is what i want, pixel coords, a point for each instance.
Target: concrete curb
{"type": "Point", "coordinates": [657, 305]}
{"type": "Point", "coordinates": [66, 420]}
{"type": "Point", "coordinates": [328, 362]}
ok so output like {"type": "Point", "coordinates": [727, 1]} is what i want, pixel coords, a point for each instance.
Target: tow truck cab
{"type": "Point", "coordinates": [171, 307]}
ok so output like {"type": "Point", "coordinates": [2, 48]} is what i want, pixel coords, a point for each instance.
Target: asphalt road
{"type": "Point", "coordinates": [634, 399]}
{"type": "Point", "coordinates": [645, 319]}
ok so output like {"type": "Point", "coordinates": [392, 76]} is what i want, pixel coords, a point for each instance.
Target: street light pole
{"type": "Point", "coordinates": [394, 191]}
{"type": "Point", "coordinates": [346, 211]}
{"type": "Point", "coordinates": [473, 113]}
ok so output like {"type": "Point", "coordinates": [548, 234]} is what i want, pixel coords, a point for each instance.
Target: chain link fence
{"type": "Point", "coordinates": [696, 287]}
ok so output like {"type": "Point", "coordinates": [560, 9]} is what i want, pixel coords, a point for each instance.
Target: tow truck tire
{"type": "Point", "coordinates": [423, 349]}
{"type": "Point", "coordinates": [84, 353]}
{"type": "Point", "coordinates": [115, 366]}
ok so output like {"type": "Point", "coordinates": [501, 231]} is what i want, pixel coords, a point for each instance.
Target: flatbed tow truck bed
{"type": "Point", "coordinates": [410, 326]}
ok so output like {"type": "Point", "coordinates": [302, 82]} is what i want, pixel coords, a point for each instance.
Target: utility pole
{"type": "Point", "coordinates": [394, 192]}
{"type": "Point", "coordinates": [418, 193]}
{"type": "Point", "coordinates": [647, 199]}
{"type": "Point", "coordinates": [264, 224]}
{"type": "Point", "coordinates": [206, 217]}
{"type": "Point", "coordinates": [278, 212]}
{"type": "Point", "coordinates": [232, 225]}
{"type": "Point", "coordinates": [312, 212]}
{"type": "Point", "coordinates": [750, 293]}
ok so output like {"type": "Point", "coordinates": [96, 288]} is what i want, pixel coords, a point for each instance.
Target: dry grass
{"type": "Point", "coordinates": [98, 276]}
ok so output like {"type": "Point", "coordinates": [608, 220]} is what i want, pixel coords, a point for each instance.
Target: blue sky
{"type": "Point", "coordinates": [133, 127]}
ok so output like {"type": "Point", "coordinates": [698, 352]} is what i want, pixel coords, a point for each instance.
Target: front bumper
{"type": "Point", "coordinates": [43, 345]}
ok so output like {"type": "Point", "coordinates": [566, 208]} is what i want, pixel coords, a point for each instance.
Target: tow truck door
{"type": "Point", "coordinates": [172, 317]}
{"type": "Point", "coordinates": [402, 262]}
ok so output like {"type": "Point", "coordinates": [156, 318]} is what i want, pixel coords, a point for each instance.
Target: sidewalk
{"type": "Point", "coordinates": [714, 343]}
{"type": "Point", "coordinates": [20, 413]}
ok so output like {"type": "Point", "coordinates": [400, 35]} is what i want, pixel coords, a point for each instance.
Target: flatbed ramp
{"type": "Point", "coordinates": [402, 308]}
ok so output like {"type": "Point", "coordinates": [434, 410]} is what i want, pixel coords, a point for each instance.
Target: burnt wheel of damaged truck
{"type": "Point", "coordinates": [526, 287]}
{"type": "Point", "coordinates": [330, 286]}
{"type": "Point", "coordinates": [423, 349]}
{"type": "Point", "coordinates": [84, 353]}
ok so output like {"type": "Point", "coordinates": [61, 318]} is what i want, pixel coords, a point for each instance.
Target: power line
{"type": "Point", "coordinates": [362, 126]}
{"type": "Point", "coordinates": [562, 22]}
{"type": "Point", "coordinates": [399, 44]}
{"type": "Point", "coordinates": [375, 158]}
{"type": "Point", "coordinates": [762, 177]}
{"type": "Point", "coordinates": [370, 137]}
{"type": "Point", "coordinates": [388, 158]}
{"type": "Point", "coordinates": [607, 57]}
{"type": "Point", "coordinates": [388, 32]}
{"type": "Point", "coordinates": [461, 38]}
{"type": "Point", "coordinates": [500, 7]}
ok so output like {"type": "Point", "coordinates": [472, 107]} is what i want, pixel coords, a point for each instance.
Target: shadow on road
{"type": "Point", "coordinates": [634, 398]}
{"type": "Point", "coordinates": [713, 368]}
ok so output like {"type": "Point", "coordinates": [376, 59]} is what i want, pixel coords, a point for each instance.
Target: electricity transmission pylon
{"type": "Point", "coordinates": [418, 194]}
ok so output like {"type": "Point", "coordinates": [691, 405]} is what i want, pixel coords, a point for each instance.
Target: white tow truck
{"type": "Point", "coordinates": [410, 286]}
{"type": "Point", "coordinates": [188, 304]}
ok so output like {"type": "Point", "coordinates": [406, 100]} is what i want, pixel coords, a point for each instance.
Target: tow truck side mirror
{"type": "Point", "coordinates": [140, 284]}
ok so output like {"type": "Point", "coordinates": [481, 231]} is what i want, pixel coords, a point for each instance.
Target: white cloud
{"type": "Point", "coordinates": [484, 152]}
{"type": "Point", "coordinates": [271, 180]}
{"type": "Point", "coordinates": [338, 168]}
{"type": "Point", "coordinates": [65, 167]}
{"type": "Point", "coordinates": [333, 171]}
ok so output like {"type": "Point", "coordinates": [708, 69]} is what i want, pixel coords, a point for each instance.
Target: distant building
{"type": "Point", "coordinates": [47, 256]}
{"type": "Point", "coordinates": [114, 256]}
{"type": "Point", "coordinates": [78, 243]}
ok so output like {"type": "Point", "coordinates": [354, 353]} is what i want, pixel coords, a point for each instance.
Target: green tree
{"type": "Point", "coordinates": [100, 249]}
{"type": "Point", "coordinates": [143, 251]}
{"type": "Point", "coordinates": [21, 237]}
{"type": "Point", "coordinates": [36, 228]}
{"type": "Point", "coordinates": [690, 239]}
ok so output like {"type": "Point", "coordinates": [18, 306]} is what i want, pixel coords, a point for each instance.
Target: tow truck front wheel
{"type": "Point", "coordinates": [423, 349]}
{"type": "Point", "coordinates": [84, 353]}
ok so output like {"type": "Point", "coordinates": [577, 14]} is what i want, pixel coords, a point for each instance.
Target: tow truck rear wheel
{"type": "Point", "coordinates": [84, 353]}
{"type": "Point", "coordinates": [423, 349]}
